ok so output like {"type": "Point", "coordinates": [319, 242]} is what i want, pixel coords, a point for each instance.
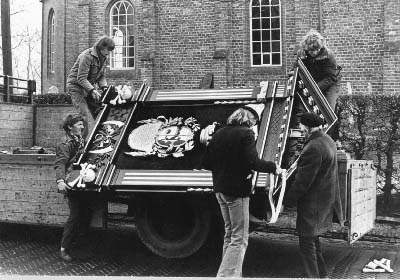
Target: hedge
{"type": "Point", "coordinates": [369, 129]}
{"type": "Point", "coordinates": [52, 98]}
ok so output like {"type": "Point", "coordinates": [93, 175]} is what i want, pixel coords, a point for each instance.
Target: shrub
{"type": "Point", "coordinates": [369, 129]}
{"type": "Point", "coordinates": [19, 98]}
{"type": "Point", "coordinates": [52, 98]}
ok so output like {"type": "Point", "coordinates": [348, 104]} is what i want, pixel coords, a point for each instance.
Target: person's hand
{"type": "Point", "coordinates": [278, 170]}
{"type": "Point", "coordinates": [104, 90]}
{"type": "Point", "coordinates": [96, 95]}
{"type": "Point", "coordinates": [63, 187]}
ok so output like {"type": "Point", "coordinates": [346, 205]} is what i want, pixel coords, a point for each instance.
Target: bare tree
{"type": "Point", "coordinates": [25, 42]}
{"type": "Point", "coordinates": [386, 110]}
{"type": "Point", "coordinates": [369, 129]}
{"type": "Point", "coordinates": [354, 124]}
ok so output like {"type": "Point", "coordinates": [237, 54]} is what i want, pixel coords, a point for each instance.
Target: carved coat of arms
{"type": "Point", "coordinates": [163, 137]}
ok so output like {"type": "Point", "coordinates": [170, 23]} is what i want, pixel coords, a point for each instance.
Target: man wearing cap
{"type": "Point", "coordinates": [231, 155]}
{"type": "Point", "coordinates": [315, 189]}
{"type": "Point", "coordinates": [66, 154]}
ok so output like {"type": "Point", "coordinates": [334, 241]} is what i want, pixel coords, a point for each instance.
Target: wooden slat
{"type": "Point", "coordinates": [204, 94]}
{"type": "Point", "coordinates": [164, 178]}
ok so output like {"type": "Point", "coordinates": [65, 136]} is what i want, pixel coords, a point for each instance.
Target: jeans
{"type": "Point", "coordinates": [85, 106]}
{"type": "Point", "coordinates": [235, 212]}
{"type": "Point", "coordinates": [79, 217]}
{"type": "Point", "coordinates": [332, 94]}
{"type": "Point", "coordinates": [311, 255]}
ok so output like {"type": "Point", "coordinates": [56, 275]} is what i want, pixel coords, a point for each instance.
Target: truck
{"type": "Point", "coordinates": [146, 150]}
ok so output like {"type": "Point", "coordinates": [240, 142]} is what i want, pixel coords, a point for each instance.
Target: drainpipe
{"type": "Point", "coordinates": [66, 51]}
{"type": "Point", "coordinates": [320, 16]}
{"type": "Point", "coordinates": [34, 124]}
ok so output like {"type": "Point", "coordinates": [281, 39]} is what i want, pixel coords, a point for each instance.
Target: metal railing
{"type": "Point", "coordinates": [10, 90]}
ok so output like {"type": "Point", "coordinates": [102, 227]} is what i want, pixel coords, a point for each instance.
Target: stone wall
{"type": "Point", "coordinates": [28, 191]}
{"type": "Point", "coordinates": [16, 126]}
{"type": "Point", "coordinates": [48, 124]}
{"type": "Point", "coordinates": [23, 126]}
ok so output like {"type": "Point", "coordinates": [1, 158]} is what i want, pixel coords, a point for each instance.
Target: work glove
{"type": "Point", "coordinates": [278, 170]}
{"type": "Point", "coordinates": [63, 187]}
{"type": "Point", "coordinates": [104, 89]}
{"type": "Point", "coordinates": [96, 95]}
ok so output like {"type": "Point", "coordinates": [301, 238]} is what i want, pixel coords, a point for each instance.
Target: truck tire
{"type": "Point", "coordinates": [173, 226]}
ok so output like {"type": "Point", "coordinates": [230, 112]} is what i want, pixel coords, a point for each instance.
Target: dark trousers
{"type": "Point", "coordinates": [331, 96]}
{"type": "Point", "coordinates": [85, 106]}
{"type": "Point", "coordinates": [79, 217]}
{"type": "Point", "coordinates": [311, 255]}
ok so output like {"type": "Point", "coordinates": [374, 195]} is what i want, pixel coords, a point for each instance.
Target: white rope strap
{"type": "Point", "coordinates": [275, 210]}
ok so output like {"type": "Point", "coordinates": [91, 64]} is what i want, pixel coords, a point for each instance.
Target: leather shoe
{"type": "Point", "coordinates": [65, 256]}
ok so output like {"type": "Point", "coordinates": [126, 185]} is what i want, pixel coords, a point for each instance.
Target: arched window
{"type": "Point", "coordinates": [265, 38]}
{"type": "Point", "coordinates": [122, 31]}
{"type": "Point", "coordinates": [51, 42]}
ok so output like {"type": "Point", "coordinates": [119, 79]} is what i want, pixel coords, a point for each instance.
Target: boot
{"type": "Point", "coordinates": [65, 256]}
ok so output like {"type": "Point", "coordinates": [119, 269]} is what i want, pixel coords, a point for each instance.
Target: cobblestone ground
{"type": "Point", "coordinates": [32, 250]}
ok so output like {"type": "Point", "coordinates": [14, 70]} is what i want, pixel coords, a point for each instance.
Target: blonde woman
{"type": "Point", "coordinates": [321, 64]}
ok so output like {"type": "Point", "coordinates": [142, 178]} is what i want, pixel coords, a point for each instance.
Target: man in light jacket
{"type": "Point", "coordinates": [86, 80]}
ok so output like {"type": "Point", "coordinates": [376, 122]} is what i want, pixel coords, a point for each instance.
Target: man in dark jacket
{"type": "Point", "coordinates": [315, 189]}
{"type": "Point", "coordinates": [232, 156]}
{"type": "Point", "coordinates": [66, 154]}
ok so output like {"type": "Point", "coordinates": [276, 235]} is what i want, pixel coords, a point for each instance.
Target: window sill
{"type": "Point", "coordinates": [267, 69]}
{"type": "Point", "coordinates": [128, 73]}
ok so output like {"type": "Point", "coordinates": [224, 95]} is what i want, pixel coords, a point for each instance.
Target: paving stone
{"type": "Point", "coordinates": [28, 250]}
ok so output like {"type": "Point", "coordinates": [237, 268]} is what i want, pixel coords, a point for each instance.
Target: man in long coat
{"type": "Point", "coordinates": [315, 189]}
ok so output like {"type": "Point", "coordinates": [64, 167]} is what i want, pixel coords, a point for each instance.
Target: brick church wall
{"type": "Point", "coordinates": [176, 40]}
{"type": "Point", "coordinates": [57, 77]}
{"type": "Point", "coordinates": [391, 51]}
{"type": "Point", "coordinates": [355, 30]}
